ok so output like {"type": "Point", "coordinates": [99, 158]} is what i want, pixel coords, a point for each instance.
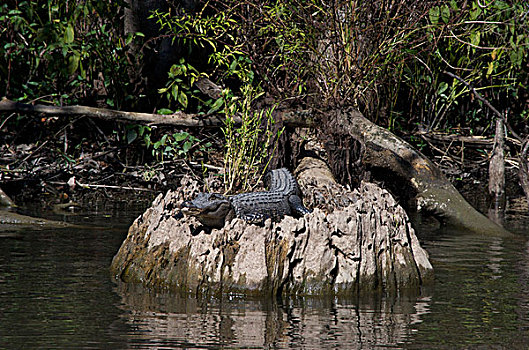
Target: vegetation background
{"type": "Point", "coordinates": [394, 60]}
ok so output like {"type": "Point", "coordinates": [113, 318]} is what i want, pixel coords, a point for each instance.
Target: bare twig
{"type": "Point", "coordinates": [476, 141]}
{"type": "Point", "coordinates": [5, 120]}
{"type": "Point", "coordinates": [470, 44]}
{"type": "Point", "coordinates": [486, 102]}
{"type": "Point", "coordinates": [35, 152]}
{"type": "Point", "coordinates": [32, 154]}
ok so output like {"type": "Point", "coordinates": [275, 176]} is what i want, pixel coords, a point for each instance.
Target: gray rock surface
{"type": "Point", "coordinates": [366, 245]}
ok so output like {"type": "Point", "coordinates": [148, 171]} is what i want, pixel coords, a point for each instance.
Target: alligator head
{"type": "Point", "coordinates": [211, 209]}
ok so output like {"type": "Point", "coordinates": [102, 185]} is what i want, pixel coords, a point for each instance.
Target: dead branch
{"type": "Point", "coordinates": [113, 187]}
{"type": "Point", "coordinates": [476, 141]}
{"type": "Point", "coordinates": [176, 119]}
{"type": "Point", "coordinates": [181, 119]}
{"type": "Point", "coordinates": [470, 141]}
{"type": "Point", "coordinates": [208, 88]}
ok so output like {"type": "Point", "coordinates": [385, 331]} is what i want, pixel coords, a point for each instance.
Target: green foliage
{"type": "Point", "coordinates": [395, 69]}
{"type": "Point", "coordinates": [177, 145]}
{"type": "Point", "coordinates": [278, 39]}
{"type": "Point", "coordinates": [247, 156]}
{"type": "Point", "coordinates": [182, 77]}
{"type": "Point", "coordinates": [203, 34]}
{"type": "Point", "coordinates": [387, 58]}
{"type": "Point", "coordinates": [217, 35]}
{"type": "Point", "coordinates": [58, 50]}
{"type": "Point", "coordinates": [484, 44]}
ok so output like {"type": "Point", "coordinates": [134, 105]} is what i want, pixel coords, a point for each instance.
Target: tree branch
{"type": "Point", "coordinates": [292, 118]}
{"type": "Point", "coordinates": [175, 119]}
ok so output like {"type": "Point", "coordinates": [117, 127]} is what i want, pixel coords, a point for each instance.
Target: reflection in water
{"type": "Point", "coordinates": [495, 252]}
{"type": "Point", "coordinates": [172, 320]}
{"type": "Point", "coordinates": [522, 310]}
{"type": "Point", "coordinates": [477, 293]}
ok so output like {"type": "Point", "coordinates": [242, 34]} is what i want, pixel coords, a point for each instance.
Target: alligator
{"type": "Point", "coordinates": [282, 198]}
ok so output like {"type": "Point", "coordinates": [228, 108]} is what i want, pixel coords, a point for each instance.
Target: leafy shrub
{"type": "Point", "coordinates": [387, 58]}
{"type": "Point", "coordinates": [64, 52]}
{"type": "Point", "coordinates": [171, 146]}
{"type": "Point", "coordinates": [214, 34]}
{"type": "Point", "coordinates": [208, 39]}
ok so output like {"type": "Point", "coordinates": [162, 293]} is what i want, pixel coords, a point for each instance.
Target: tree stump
{"type": "Point", "coordinates": [365, 244]}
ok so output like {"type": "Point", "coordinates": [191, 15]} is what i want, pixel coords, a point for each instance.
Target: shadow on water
{"type": "Point", "coordinates": [55, 292]}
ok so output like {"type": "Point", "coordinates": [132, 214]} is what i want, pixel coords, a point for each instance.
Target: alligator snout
{"type": "Point", "coordinates": [189, 208]}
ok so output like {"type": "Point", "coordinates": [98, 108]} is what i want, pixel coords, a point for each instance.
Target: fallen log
{"type": "Point", "coordinates": [11, 220]}
{"type": "Point", "coordinates": [179, 119]}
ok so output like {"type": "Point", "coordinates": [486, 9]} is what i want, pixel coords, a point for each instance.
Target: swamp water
{"type": "Point", "coordinates": [56, 293]}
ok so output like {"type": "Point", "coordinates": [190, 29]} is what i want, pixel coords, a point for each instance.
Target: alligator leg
{"type": "Point", "coordinates": [254, 218]}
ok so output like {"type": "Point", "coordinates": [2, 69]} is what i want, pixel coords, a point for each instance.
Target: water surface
{"type": "Point", "coordinates": [56, 292]}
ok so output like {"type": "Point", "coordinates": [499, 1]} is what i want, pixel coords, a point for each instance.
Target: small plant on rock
{"type": "Point", "coordinates": [247, 146]}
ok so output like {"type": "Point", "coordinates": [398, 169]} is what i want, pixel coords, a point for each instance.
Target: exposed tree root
{"type": "Point", "coordinates": [394, 160]}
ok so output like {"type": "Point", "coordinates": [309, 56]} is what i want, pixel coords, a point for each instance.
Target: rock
{"type": "Point", "coordinates": [366, 245]}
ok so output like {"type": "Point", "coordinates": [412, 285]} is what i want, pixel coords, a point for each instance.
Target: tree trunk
{"type": "Point", "coordinates": [154, 60]}
{"type": "Point", "coordinates": [497, 174]}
